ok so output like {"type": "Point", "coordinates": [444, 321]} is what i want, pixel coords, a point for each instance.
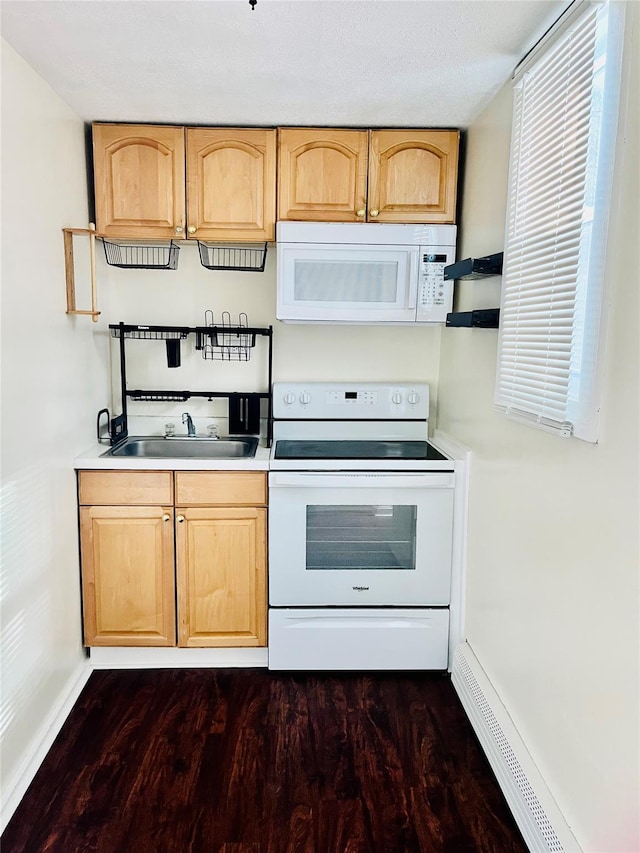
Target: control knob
{"type": "Point", "coordinates": [413, 398]}
{"type": "Point", "coordinates": [396, 398]}
{"type": "Point", "coordinates": [305, 398]}
{"type": "Point", "coordinates": [289, 398]}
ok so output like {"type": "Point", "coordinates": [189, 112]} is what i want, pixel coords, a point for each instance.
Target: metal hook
{"type": "Point", "coordinates": [252, 3]}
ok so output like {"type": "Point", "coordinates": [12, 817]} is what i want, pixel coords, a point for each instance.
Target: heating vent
{"type": "Point", "coordinates": [507, 753]}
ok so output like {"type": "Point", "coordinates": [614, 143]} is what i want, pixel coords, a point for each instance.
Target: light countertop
{"type": "Point", "coordinates": [93, 459]}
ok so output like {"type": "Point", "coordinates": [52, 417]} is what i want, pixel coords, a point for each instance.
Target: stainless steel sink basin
{"type": "Point", "coordinates": [155, 447]}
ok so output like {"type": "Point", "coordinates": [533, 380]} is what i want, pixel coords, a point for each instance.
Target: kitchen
{"type": "Point", "coordinates": [559, 645]}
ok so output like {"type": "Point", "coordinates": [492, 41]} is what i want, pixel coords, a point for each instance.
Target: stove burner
{"type": "Point", "coordinates": [350, 449]}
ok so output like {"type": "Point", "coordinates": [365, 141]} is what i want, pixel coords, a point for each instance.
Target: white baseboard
{"type": "Point", "coordinates": [112, 657]}
{"type": "Point", "coordinates": [42, 743]}
{"type": "Point", "coordinates": [537, 814]}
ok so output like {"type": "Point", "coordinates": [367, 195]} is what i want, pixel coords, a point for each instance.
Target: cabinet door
{"type": "Point", "coordinates": [221, 572]}
{"type": "Point", "coordinates": [322, 174]}
{"type": "Point", "coordinates": [413, 176]}
{"type": "Point", "coordinates": [128, 581]}
{"type": "Point", "coordinates": [231, 184]}
{"type": "Point", "coordinates": [139, 180]}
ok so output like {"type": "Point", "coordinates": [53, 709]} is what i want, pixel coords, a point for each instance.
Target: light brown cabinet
{"type": "Point", "coordinates": [334, 175]}
{"type": "Point", "coordinates": [141, 550]}
{"type": "Point", "coordinates": [139, 180]}
{"type": "Point", "coordinates": [161, 182]}
{"type": "Point", "coordinates": [127, 555]}
{"type": "Point", "coordinates": [221, 521]}
{"type": "Point", "coordinates": [231, 184]}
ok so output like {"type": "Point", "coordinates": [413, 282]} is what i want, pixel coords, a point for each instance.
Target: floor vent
{"type": "Point", "coordinates": [538, 817]}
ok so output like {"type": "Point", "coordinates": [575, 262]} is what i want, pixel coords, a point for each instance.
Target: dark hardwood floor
{"type": "Point", "coordinates": [248, 761]}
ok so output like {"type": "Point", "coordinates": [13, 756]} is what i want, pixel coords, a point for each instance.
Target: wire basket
{"type": "Point", "coordinates": [149, 256]}
{"type": "Point", "coordinates": [151, 333]}
{"type": "Point", "coordinates": [243, 257]}
{"type": "Point", "coordinates": [225, 341]}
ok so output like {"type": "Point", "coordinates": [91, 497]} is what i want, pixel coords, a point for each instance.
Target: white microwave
{"type": "Point", "coordinates": [363, 272]}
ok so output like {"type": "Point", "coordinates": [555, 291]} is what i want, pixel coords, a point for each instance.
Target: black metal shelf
{"type": "Point", "coordinates": [486, 318]}
{"type": "Point", "coordinates": [472, 268]}
{"type": "Point", "coordinates": [244, 407]}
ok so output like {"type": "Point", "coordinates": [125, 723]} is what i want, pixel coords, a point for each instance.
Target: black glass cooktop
{"type": "Point", "coordinates": [355, 449]}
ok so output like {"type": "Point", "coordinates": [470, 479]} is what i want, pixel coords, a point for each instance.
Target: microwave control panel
{"type": "Point", "coordinates": [435, 295]}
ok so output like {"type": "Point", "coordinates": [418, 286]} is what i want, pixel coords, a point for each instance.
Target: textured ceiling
{"type": "Point", "coordinates": [433, 63]}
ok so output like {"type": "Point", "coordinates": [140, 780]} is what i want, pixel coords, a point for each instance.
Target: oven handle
{"type": "Point", "coordinates": [363, 481]}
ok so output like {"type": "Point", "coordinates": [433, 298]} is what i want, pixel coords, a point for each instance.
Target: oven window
{"type": "Point", "coordinates": [361, 537]}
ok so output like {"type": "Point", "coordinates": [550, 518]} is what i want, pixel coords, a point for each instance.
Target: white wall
{"type": "Point", "coordinates": [53, 383]}
{"type": "Point", "coordinates": [553, 558]}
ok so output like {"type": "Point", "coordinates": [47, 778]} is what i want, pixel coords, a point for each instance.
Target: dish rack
{"type": "Point", "coordinates": [225, 342]}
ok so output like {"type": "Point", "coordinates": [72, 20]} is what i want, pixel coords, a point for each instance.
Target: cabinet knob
{"type": "Point", "coordinates": [166, 517]}
{"type": "Point", "coordinates": [360, 211]}
{"type": "Point", "coordinates": [180, 519]}
{"type": "Point", "coordinates": [179, 229]}
{"type": "Point", "coordinates": [374, 212]}
{"type": "Point", "coordinates": [191, 229]}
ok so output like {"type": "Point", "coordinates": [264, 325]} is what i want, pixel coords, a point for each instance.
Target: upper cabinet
{"type": "Point", "coordinates": [322, 174]}
{"type": "Point", "coordinates": [413, 175]}
{"type": "Point", "coordinates": [208, 183]}
{"type": "Point", "coordinates": [231, 183]}
{"type": "Point", "coordinates": [139, 180]}
{"type": "Point", "coordinates": [226, 193]}
{"type": "Point", "coordinates": [331, 175]}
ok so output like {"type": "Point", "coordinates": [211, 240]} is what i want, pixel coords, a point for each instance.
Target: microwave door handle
{"type": "Point", "coordinates": [414, 266]}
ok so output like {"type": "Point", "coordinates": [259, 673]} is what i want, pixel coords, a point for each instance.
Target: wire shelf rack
{"type": "Point", "coordinates": [151, 333]}
{"type": "Point", "coordinates": [159, 396]}
{"type": "Point", "coordinates": [245, 257]}
{"type": "Point", "coordinates": [146, 256]}
{"type": "Point", "coordinates": [226, 341]}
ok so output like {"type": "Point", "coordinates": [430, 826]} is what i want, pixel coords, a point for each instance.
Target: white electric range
{"type": "Point", "coordinates": [361, 509]}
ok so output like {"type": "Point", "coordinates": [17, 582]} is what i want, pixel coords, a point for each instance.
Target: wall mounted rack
{"type": "Point", "coordinates": [471, 268]}
{"type": "Point", "coordinates": [70, 277]}
{"type": "Point", "coordinates": [485, 318]}
{"type": "Point", "coordinates": [244, 407]}
{"type": "Point", "coordinates": [474, 268]}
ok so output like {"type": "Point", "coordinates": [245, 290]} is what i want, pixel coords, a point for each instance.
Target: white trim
{"type": "Point", "coordinates": [41, 743]}
{"type": "Point", "coordinates": [462, 457]}
{"type": "Point", "coordinates": [537, 814]}
{"type": "Point", "coordinates": [112, 657]}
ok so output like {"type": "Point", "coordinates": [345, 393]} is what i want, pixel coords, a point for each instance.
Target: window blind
{"type": "Point", "coordinates": [564, 123]}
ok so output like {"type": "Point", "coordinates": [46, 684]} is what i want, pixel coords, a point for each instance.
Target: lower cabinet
{"type": "Point", "coordinates": [162, 550]}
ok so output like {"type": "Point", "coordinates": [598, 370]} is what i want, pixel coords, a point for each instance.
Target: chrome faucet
{"type": "Point", "coordinates": [186, 419]}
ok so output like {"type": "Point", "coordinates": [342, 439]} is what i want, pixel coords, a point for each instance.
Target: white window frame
{"type": "Point", "coordinates": [552, 317]}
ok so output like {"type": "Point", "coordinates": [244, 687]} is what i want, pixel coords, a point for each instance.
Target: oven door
{"type": "Point", "coordinates": [369, 539]}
